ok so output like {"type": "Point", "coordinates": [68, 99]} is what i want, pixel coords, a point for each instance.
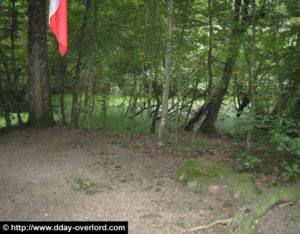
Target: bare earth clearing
{"type": "Point", "coordinates": [71, 175]}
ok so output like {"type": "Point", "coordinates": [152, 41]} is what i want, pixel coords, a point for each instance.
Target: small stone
{"type": "Point", "coordinates": [213, 190]}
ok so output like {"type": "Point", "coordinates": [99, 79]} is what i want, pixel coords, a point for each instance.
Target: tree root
{"type": "Point", "coordinates": [246, 219]}
{"type": "Point", "coordinates": [201, 227]}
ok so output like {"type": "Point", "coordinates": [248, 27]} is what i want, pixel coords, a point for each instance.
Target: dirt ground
{"type": "Point", "coordinates": [59, 174]}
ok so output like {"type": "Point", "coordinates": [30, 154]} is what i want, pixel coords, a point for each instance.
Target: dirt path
{"type": "Point", "coordinates": [70, 175]}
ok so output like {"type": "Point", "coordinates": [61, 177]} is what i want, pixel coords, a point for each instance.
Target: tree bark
{"type": "Point", "coordinates": [217, 95]}
{"type": "Point", "coordinates": [210, 48]}
{"type": "Point", "coordinates": [91, 69]}
{"type": "Point", "coordinates": [168, 59]}
{"type": "Point", "coordinates": [190, 124]}
{"type": "Point", "coordinates": [74, 114]}
{"type": "Point", "coordinates": [252, 80]}
{"type": "Point", "coordinates": [62, 74]}
{"type": "Point", "coordinates": [6, 90]}
{"type": "Point", "coordinates": [40, 108]}
{"type": "Point", "coordinates": [157, 107]}
{"type": "Point", "coordinates": [151, 78]}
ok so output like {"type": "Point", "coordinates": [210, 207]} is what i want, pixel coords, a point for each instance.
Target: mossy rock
{"type": "Point", "coordinates": [241, 186]}
{"type": "Point", "coordinates": [198, 175]}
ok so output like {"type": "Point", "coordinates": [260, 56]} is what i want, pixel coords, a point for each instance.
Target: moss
{"type": "Point", "coordinates": [193, 169]}
{"type": "Point", "coordinates": [245, 218]}
{"type": "Point", "coordinates": [198, 175]}
{"type": "Point", "coordinates": [242, 185]}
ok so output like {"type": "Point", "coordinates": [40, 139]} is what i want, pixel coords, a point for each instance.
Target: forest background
{"type": "Point", "coordinates": [166, 67]}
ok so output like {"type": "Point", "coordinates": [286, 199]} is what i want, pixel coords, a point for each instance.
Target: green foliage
{"type": "Point", "coordinates": [276, 140]}
{"type": "Point", "coordinates": [247, 161]}
{"type": "Point", "coordinates": [291, 169]}
{"type": "Point", "coordinates": [285, 134]}
{"type": "Point", "coordinates": [131, 40]}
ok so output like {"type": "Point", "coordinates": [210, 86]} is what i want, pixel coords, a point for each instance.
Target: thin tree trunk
{"type": "Point", "coordinates": [133, 111]}
{"type": "Point", "coordinates": [91, 69]}
{"type": "Point", "coordinates": [209, 55]}
{"type": "Point", "coordinates": [148, 130]}
{"type": "Point", "coordinates": [157, 107]}
{"type": "Point", "coordinates": [252, 79]}
{"type": "Point", "coordinates": [40, 108]}
{"type": "Point", "coordinates": [7, 87]}
{"type": "Point", "coordinates": [155, 116]}
{"type": "Point", "coordinates": [74, 114]}
{"type": "Point", "coordinates": [12, 40]}
{"type": "Point", "coordinates": [104, 111]}
{"type": "Point", "coordinates": [7, 119]}
{"type": "Point", "coordinates": [132, 94]}
{"type": "Point", "coordinates": [62, 74]}
{"type": "Point", "coordinates": [143, 71]}
{"type": "Point", "coordinates": [14, 31]}
{"type": "Point", "coordinates": [104, 107]}
{"type": "Point", "coordinates": [178, 70]}
{"type": "Point", "coordinates": [168, 59]}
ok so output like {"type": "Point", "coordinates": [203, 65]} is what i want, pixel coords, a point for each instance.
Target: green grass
{"type": "Point", "coordinates": [14, 119]}
{"type": "Point", "coordinates": [115, 122]}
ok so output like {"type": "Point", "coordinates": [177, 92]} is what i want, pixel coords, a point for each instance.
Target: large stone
{"type": "Point", "coordinates": [199, 175]}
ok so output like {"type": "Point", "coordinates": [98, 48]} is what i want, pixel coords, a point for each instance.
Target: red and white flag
{"type": "Point", "coordinates": [58, 21]}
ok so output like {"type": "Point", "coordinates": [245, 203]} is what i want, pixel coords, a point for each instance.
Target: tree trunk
{"type": "Point", "coordinates": [168, 58]}
{"type": "Point", "coordinates": [4, 95]}
{"type": "Point", "coordinates": [178, 83]}
{"type": "Point", "coordinates": [155, 116]}
{"type": "Point", "coordinates": [151, 78]}
{"type": "Point", "coordinates": [217, 95]}
{"type": "Point", "coordinates": [209, 55]}
{"type": "Point", "coordinates": [157, 107]}
{"type": "Point", "coordinates": [40, 108]}
{"type": "Point", "coordinates": [252, 80]}
{"type": "Point", "coordinates": [196, 117]}
{"type": "Point", "coordinates": [91, 69]}
{"type": "Point", "coordinates": [74, 114]}
{"type": "Point", "coordinates": [62, 74]}
{"type": "Point", "coordinates": [7, 119]}
{"type": "Point", "coordinates": [13, 35]}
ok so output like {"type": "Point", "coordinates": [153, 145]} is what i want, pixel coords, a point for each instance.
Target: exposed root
{"type": "Point", "coordinates": [201, 227]}
{"type": "Point", "coordinates": [245, 219]}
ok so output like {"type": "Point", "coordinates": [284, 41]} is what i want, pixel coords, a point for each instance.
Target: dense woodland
{"type": "Point", "coordinates": [175, 64]}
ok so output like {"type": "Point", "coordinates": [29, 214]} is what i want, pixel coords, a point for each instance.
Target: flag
{"type": "Point", "coordinates": [58, 21]}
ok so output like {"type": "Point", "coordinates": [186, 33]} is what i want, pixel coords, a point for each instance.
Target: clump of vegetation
{"type": "Point", "coordinates": [247, 162]}
{"type": "Point", "coordinates": [275, 147]}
